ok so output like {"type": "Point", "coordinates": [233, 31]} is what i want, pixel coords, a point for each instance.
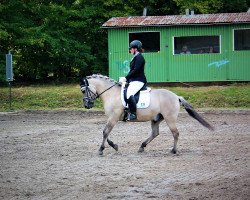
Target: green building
{"type": "Point", "coordinates": [218, 46]}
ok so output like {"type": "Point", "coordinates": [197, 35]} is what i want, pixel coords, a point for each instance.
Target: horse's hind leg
{"type": "Point", "coordinates": [175, 132]}
{"type": "Point", "coordinates": [154, 133]}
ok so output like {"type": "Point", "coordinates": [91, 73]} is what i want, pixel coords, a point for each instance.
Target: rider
{"type": "Point", "coordinates": [136, 76]}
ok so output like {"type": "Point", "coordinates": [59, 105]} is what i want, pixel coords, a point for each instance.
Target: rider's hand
{"type": "Point", "coordinates": [122, 79]}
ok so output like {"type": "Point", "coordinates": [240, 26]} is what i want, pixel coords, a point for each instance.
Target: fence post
{"type": "Point", "coordinates": [9, 74]}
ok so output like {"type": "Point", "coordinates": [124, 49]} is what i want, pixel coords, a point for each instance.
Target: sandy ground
{"type": "Point", "coordinates": [53, 155]}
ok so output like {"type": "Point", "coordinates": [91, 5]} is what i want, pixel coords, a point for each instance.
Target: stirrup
{"type": "Point", "coordinates": [132, 117]}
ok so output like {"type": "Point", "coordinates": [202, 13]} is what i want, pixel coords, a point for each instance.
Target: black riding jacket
{"type": "Point", "coordinates": [136, 72]}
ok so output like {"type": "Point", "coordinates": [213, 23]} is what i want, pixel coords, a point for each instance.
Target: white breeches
{"type": "Point", "coordinates": [134, 87]}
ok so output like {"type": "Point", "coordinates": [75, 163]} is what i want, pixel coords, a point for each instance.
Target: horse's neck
{"type": "Point", "coordinates": [104, 88]}
{"type": "Point", "coordinates": [108, 91]}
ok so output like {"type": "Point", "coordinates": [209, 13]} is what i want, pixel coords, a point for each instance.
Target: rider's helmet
{"type": "Point", "coordinates": [136, 44]}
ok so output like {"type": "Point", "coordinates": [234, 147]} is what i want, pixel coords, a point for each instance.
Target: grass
{"type": "Point", "coordinates": [233, 96]}
{"type": "Point", "coordinates": [69, 97]}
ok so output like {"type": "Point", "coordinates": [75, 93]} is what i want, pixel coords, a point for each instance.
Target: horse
{"type": "Point", "coordinates": [164, 105]}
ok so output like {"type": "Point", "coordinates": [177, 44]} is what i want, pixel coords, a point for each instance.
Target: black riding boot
{"type": "Point", "coordinates": [132, 108]}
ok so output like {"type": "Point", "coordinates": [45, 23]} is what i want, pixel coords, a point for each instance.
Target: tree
{"type": "Point", "coordinates": [213, 6]}
{"type": "Point", "coordinates": [234, 6]}
{"type": "Point", "coordinates": [62, 38]}
{"type": "Point", "coordinates": [45, 39]}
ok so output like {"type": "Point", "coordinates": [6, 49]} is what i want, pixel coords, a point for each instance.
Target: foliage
{"type": "Point", "coordinates": [2, 70]}
{"type": "Point", "coordinates": [62, 39]}
{"type": "Point", "coordinates": [213, 6]}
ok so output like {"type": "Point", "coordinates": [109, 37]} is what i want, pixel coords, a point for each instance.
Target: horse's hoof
{"type": "Point", "coordinates": [173, 151]}
{"type": "Point", "coordinates": [100, 153]}
{"type": "Point", "coordinates": [141, 150]}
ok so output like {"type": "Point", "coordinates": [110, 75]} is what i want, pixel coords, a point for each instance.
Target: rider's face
{"type": "Point", "coordinates": [132, 51]}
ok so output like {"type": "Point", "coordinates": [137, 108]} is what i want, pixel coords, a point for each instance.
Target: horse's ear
{"type": "Point", "coordinates": [84, 81]}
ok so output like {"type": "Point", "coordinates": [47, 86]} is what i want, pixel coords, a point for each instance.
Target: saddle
{"type": "Point", "coordinates": [142, 97]}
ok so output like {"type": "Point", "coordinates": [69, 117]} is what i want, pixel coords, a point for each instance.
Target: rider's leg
{"type": "Point", "coordinates": [133, 88]}
{"type": "Point", "coordinates": [132, 108]}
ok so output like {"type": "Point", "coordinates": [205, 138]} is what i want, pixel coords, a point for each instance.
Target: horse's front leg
{"type": "Point", "coordinates": [108, 128]}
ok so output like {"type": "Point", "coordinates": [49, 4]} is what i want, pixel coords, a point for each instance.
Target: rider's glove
{"type": "Point", "coordinates": [122, 79]}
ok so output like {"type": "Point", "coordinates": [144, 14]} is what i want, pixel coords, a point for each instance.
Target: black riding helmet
{"type": "Point", "coordinates": [135, 44]}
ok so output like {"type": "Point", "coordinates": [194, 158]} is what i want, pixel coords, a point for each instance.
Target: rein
{"type": "Point", "coordinates": [88, 91]}
{"type": "Point", "coordinates": [98, 95]}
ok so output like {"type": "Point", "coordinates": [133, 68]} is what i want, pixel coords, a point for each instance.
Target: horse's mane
{"type": "Point", "coordinates": [99, 76]}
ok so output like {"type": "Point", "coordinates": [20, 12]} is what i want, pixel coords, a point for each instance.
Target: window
{"type": "Point", "coordinates": [196, 44]}
{"type": "Point", "coordinates": [150, 40]}
{"type": "Point", "coordinates": [242, 39]}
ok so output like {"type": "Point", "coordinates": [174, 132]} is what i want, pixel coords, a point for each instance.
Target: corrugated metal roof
{"type": "Point", "coordinates": [172, 20]}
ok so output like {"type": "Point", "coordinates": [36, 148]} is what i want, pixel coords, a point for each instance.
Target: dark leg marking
{"type": "Point", "coordinates": [144, 144]}
{"type": "Point", "coordinates": [101, 150]}
{"type": "Point", "coordinates": [141, 149]}
{"type": "Point", "coordinates": [173, 151]}
{"type": "Point", "coordinates": [115, 146]}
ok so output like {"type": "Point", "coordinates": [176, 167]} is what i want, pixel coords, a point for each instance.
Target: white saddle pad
{"type": "Point", "coordinates": [144, 99]}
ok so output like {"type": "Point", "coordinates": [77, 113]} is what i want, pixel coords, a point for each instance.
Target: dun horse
{"type": "Point", "coordinates": [164, 105]}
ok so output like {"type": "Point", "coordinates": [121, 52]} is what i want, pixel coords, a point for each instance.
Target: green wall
{"type": "Point", "coordinates": [164, 66]}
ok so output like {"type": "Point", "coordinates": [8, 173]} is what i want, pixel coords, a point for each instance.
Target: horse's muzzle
{"type": "Point", "coordinates": [89, 104]}
{"type": "Point", "coordinates": [87, 107]}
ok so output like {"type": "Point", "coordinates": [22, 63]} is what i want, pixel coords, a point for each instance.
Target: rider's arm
{"type": "Point", "coordinates": [138, 66]}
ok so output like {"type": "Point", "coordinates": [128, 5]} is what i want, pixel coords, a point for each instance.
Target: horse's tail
{"type": "Point", "coordinates": [194, 114]}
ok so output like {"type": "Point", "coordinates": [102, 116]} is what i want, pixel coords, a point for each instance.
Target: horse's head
{"type": "Point", "coordinates": [89, 93]}
{"type": "Point", "coordinates": [95, 86]}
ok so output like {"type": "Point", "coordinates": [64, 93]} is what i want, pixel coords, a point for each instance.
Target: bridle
{"type": "Point", "coordinates": [90, 96]}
